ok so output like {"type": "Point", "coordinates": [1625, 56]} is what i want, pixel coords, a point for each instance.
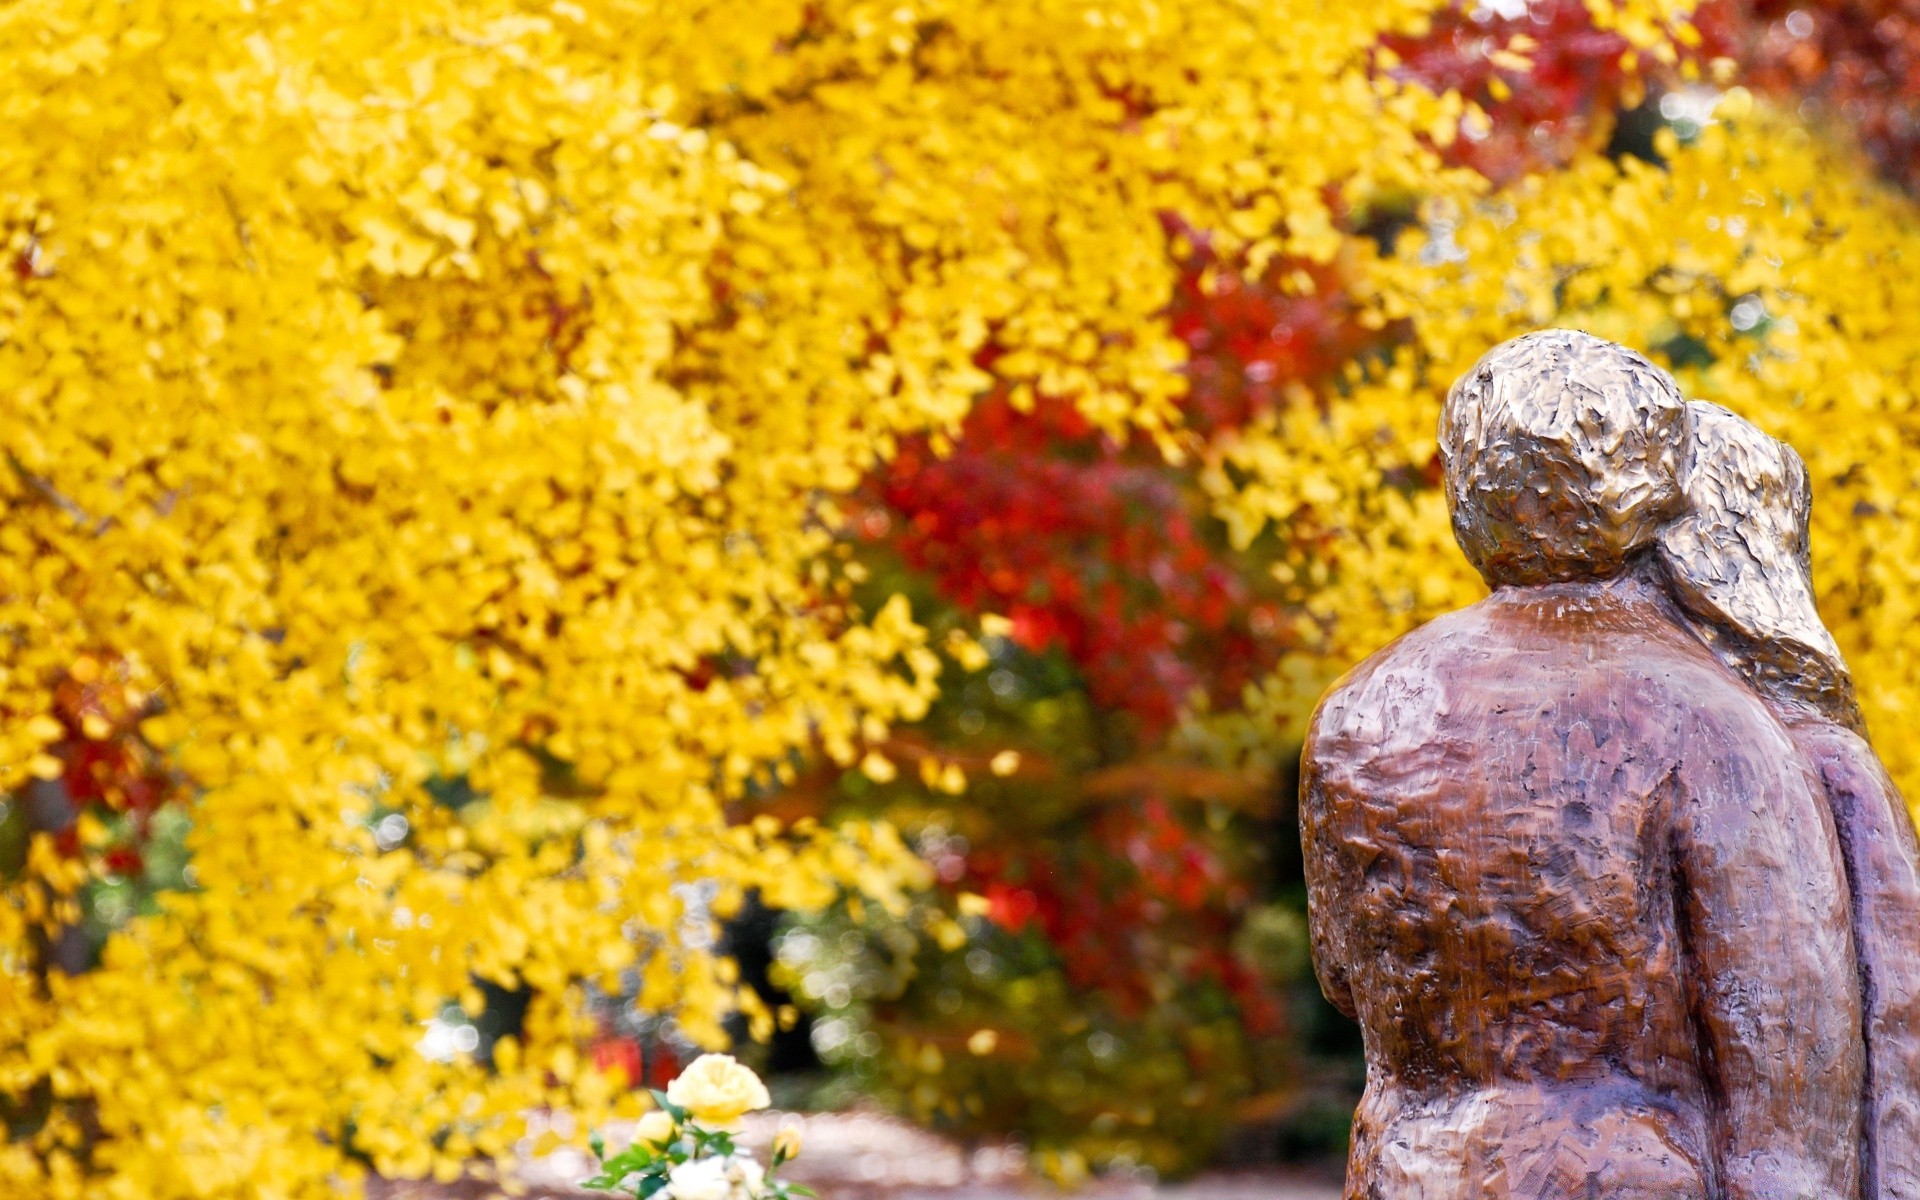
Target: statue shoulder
{"type": "Point", "coordinates": [1430, 651]}
{"type": "Point", "coordinates": [1409, 677]}
{"type": "Point", "coordinates": [1533, 663]}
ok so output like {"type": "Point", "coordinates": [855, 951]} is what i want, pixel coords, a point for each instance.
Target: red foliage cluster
{"type": "Point", "coordinates": [1101, 547]}
{"type": "Point", "coordinates": [1853, 62]}
{"type": "Point", "coordinates": [1085, 543]}
{"type": "Point", "coordinates": [105, 763]}
{"type": "Point", "coordinates": [1249, 343]}
{"type": "Point", "coordinates": [1548, 80]}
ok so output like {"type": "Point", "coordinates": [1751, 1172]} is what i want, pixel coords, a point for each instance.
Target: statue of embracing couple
{"type": "Point", "coordinates": [1623, 901]}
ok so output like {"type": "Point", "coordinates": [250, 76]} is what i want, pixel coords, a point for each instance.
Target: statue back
{"type": "Point", "coordinates": [1495, 811]}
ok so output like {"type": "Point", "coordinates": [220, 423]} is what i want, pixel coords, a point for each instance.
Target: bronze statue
{"type": "Point", "coordinates": [1621, 899]}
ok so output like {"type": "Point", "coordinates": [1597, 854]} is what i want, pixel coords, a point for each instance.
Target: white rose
{"type": "Point", "coordinates": [746, 1175]}
{"type": "Point", "coordinates": [701, 1179]}
{"type": "Point", "coordinates": [717, 1090]}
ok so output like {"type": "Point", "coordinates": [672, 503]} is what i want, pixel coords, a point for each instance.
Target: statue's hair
{"type": "Point", "coordinates": [1739, 561]}
{"type": "Point", "coordinates": [1562, 455]}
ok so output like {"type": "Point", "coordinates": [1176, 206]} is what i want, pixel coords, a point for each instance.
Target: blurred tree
{"type": "Point", "coordinates": [1101, 1004]}
{"type": "Point", "coordinates": [435, 422]}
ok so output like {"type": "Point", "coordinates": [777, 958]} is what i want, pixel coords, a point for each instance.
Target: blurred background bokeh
{"type": "Point", "coordinates": [719, 579]}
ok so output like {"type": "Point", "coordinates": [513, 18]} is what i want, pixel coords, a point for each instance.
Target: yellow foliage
{"type": "Point", "coordinates": [410, 392]}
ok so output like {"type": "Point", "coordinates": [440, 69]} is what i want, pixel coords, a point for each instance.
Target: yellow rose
{"type": "Point", "coordinates": [786, 1143]}
{"type": "Point", "coordinates": [654, 1129]}
{"type": "Point", "coordinates": [717, 1090]}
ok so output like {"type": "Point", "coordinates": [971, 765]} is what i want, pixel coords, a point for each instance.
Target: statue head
{"type": "Point", "coordinates": [1562, 457]}
{"type": "Point", "coordinates": [1739, 561]}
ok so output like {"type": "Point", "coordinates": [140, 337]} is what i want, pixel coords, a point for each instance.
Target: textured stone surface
{"type": "Point", "coordinates": [1571, 879]}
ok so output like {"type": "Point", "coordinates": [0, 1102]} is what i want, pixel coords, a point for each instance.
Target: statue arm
{"type": "Point", "coordinates": [1883, 865]}
{"type": "Point", "coordinates": [1769, 970]}
{"type": "Point", "coordinates": [1326, 891]}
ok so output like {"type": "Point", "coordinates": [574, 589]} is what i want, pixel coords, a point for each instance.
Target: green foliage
{"type": "Point", "coordinates": [1096, 970]}
{"type": "Point", "coordinates": [992, 1036]}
